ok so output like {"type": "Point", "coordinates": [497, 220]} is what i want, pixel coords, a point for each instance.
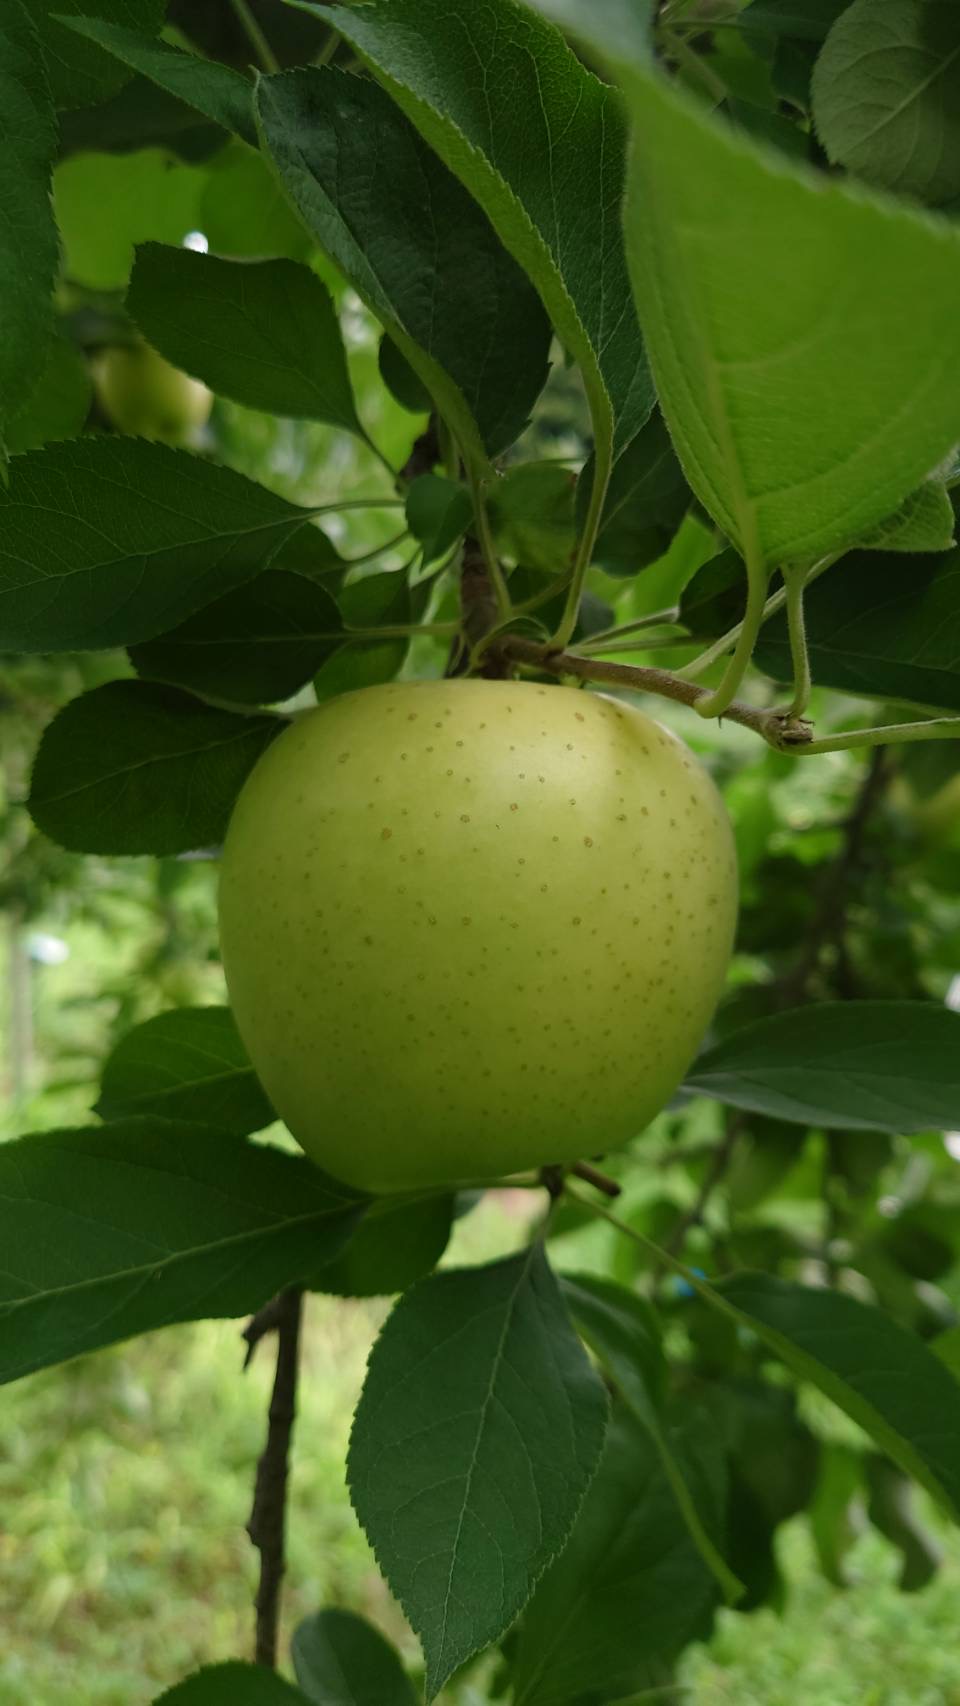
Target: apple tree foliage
{"type": "Point", "coordinates": [667, 307]}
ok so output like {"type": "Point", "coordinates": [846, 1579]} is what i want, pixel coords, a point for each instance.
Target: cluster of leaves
{"type": "Point", "coordinates": [761, 402]}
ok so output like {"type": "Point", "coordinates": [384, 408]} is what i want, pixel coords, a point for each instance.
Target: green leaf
{"type": "Point", "coordinates": [140, 115]}
{"type": "Point", "coordinates": [265, 334]}
{"type": "Point", "coordinates": [883, 1377]}
{"type": "Point", "coordinates": [883, 626]}
{"type": "Point", "coordinates": [857, 1065]}
{"type": "Point", "coordinates": [646, 501]}
{"type": "Point", "coordinates": [622, 1331]}
{"type": "Point", "coordinates": [137, 768]}
{"type": "Point", "coordinates": [629, 1589]}
{"type": "Point", "coordinates": [58, 405]}
{"type": "Point", "coordinates": [438, 511]}
{"type": "Point", "coordinates": [106, 203]}
{"type": "Point", "coordinates": [354, 666]}
{"type": "Point", "coordinates": [891, 1510]}
{"type": "Point", "coordinates": [886, 95]}
{"type": "Point", "coordinates": [792, 433]}
{"type": "Point", "coordinates": [380, 599]}
{"type": "Point", "coordinates": [539, 142]}
{"type": "Point", "coordinates": [28, 235]}
{"type": "Point", "coordinates": [532, 512]}
{"type": "Point", "coordinates": [111, 540]}
{"type": "Point", "coordinates": [342, 1660]}
{"type": "Point", "coordinates": [924, 522]}
{"type": "Point", "coordinates": [204, 84]}
{"type": "Point", "coordinates": [480, 1425]}
{"type": "Point", "coordinates": [396, 1244]}
{"type": "Point", "coordinates": [806, 20]}
{"type": "Point", "coordinates": [232, 1684]}
{"type": "Point", "coordinates": [414, 246]}
{"type": "Point", "coordinates": [259, 644]}
{"type": "Point", "coordinates": [188, 1064]}
{"type": "Point", "coordinates": [80, 73]}
{"type": "Point", "coordinates": [947, 1347]}
{"type": "Point", "coordinates": [120, 1229]}
{"type": "Point", "coordinates": [400, 379]}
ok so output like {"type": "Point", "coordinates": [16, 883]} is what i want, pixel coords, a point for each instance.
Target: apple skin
{"type": "Point", "coordinates": [472, 927]}
{"type": "Point", "coordinates": [146, 397]}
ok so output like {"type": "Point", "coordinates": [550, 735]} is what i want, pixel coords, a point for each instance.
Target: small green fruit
{"type": "Point", "coordinates": [143, 395]}
{"type": "Point", "coordinates": [473, 927]}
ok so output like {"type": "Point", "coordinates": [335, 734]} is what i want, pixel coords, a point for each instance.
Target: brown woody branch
{"type": "Point", "coordinates": [780, 730]}
{"type": "Point", "coordinates": [267, 1525]}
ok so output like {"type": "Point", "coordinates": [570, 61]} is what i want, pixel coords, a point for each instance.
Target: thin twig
{"type": "Point", "coordinates": [781, 732]}
{"type": "Point", "coordinates": [267, 1525]}
{"type": "Point", "coordinates": [599, 1181]}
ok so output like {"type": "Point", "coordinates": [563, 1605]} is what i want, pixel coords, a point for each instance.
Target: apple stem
{"type": "Point", "coordinates": [592, 1176]}
{"type": "Point", "coordinates": [267, 1525]}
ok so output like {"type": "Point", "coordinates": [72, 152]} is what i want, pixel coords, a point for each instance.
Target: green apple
{"type": "Point", "coordinates": [472, 927]}
{"type": "Point", "coordinates": [143, 395]}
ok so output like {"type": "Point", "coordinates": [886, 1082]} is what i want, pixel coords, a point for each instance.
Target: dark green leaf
{"type": "Point", "coordinates": [356, 666]}
{"type": "Point", "coordinates": [804, 20]}
{"type": "Point", "coordinates": [233, 1684]}
{"type": "Point", "coordinates": [886, 95]}
{"type": "Point", "coordinates": [880, 625]}
{"type": "Point", "coordinates": [858, 1065]}
{"type": "Point", "coordinates": [629, 1588]}
{"type": "Point", "coordinates": [79, 71]}
{"type": "Point", "coordinates": [203, 84]}
{"type": "Point", "coordinates": [401, 381]}
{"type": "Point", "coordinates": [891, 1509]}
{"type": "Point", "coordinates": [124, 1228]}
{"type": "Point", "coordinates": [533, 516]}
{"type": "Point", "coordinates": [133, 767]}
{"type": "Point", "coordinates": [882, 1376]}
{"type": "Point", "coordinates": [59, 402]}
{"type": "Point", "coordinates": [259, 644]}
{"type": "Point", "coordinates": [773, 1461]}
{"type": "Point", "coordinates": [480, 1425]}
{"type": "Point", "coordinates": [188, 1064]}
{"type": "Point", "coordinates": [342, 1660]}
{"type": "Point", "coordinates": [264, 333]}
{"type": "Point", "coordinates": [622, 1331]}
{"type": "Point", "coordinates": [140, 115]}
{"type": "Point", "coordinates": [438, 513]}
{"type": "Point", "coordinates": [396, 1244]}
{"type": "Point", "coordinates": [540, 143]}
{"type": "Point", "coordinates": [646, 501]}
{"type": "Point", "coordinates": [309, 552]}
{"type": "Point", "coordinates": [415, 247]}
{"type": "Point", "coordinates": [28, 235]}
{"type": "Point", "coordinates": [714, 599]}
{"type": "Point", "coordinates": [111, 540]}
{"type": "Point", "coordinates": [376, 600]}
